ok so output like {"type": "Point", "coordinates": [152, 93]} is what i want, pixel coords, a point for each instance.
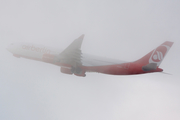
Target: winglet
{"type": "Point", "coordinates": [76, 44]}
{"type": "Point", "coordinates": [81, 37]}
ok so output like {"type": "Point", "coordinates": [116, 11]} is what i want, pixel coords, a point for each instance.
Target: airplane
{"type": "Point", "coordinates": [72, 61]}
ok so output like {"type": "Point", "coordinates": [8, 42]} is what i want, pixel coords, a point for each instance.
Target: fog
{"type": "Point", "coordinates": [119, 29]}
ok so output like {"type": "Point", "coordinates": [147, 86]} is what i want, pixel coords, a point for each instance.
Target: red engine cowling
{"type": "Point", "coordinates": [66, 70]}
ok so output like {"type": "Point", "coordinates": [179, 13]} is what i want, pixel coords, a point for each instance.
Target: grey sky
{"type": "Point", "coordinates": [120, 29]}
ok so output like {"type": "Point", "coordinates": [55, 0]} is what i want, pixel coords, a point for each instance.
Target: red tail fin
{"type": "Point", "coordinates": [157, 55]}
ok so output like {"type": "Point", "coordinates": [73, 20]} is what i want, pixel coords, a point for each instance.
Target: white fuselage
{"type": "Point", "coordinates": [36, 52]}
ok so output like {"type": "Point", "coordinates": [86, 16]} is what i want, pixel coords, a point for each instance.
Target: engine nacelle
{"type": "Point", "coordinates": [81, 75]}
{"type": "Point", "coordinates": [78, 71]}
{"type": "Point", "coordinates": [66, 70]}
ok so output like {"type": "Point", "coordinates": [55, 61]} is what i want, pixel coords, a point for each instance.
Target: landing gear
{"type": "Point", "coordinates": [78, 71]}
{"type": "Point", "coordinates": [72, 69]}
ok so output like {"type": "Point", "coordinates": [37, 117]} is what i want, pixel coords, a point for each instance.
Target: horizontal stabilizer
{"type": "Point", "coordinates": [149, 67]}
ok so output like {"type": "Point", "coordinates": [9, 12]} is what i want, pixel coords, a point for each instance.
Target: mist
{"type": "Point", "coordinates": [118, 29]}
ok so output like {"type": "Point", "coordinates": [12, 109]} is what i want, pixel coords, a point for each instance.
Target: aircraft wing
{"type": "Point", "coordinates": [72, 54]}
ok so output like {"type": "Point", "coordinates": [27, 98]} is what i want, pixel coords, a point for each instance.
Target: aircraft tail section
{"type": "Point", "coordinates": [156, 56]}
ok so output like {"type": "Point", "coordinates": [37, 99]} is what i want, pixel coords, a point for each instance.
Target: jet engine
{"type": "Point", "coordinates": [75, 71]}
{"type": "Point", "coordinates": [78, 71]}
{"type": "Point", "coordinates": [66, 70]}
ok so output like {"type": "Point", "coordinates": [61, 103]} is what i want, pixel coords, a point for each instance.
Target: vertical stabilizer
{"type": "Point", "coordinates": [157, 55]}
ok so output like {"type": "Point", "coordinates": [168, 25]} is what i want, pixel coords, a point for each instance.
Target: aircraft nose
{"type": "Point", "coordinates": [10, 48]}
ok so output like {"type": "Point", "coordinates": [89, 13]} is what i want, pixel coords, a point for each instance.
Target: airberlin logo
{"type": "Point", "coordinates": [36, 49]}
{"type": "Point", "coordinates": [159, 54]}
